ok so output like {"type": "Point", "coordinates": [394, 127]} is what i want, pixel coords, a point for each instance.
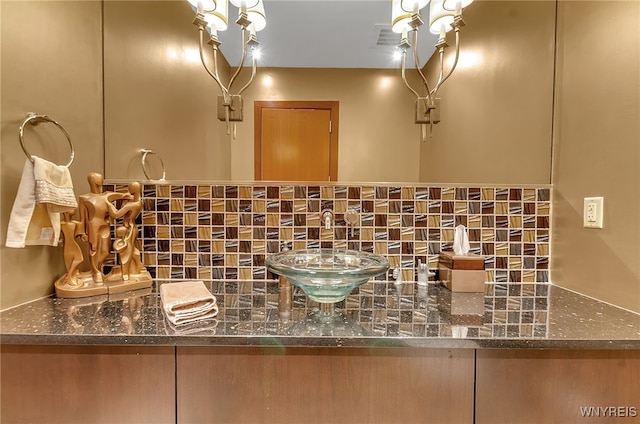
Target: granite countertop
{"type": "Point", "coordinates": [379, 313]}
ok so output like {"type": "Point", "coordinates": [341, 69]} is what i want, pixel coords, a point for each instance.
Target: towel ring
{"type": "Point", "coordinates": [35, 119]}
{"type": "Point", "coordinates": [146, 152]}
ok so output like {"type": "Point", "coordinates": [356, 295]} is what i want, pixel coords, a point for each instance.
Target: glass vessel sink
{"type": "Point", "coordinates": [327, 275]}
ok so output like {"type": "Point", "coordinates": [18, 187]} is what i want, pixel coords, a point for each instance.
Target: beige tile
{"type": "Point", "coordinates": [448, 193]}
{"type": "Point", "coordinates": [474, 221]}
{"type": "Point", "coordinates": [380, 247]}
{"type": "Point", "coordinates": [273, 220]}
{"type": "Point", "coordinates": [176, 205]}
{"type": "Point", "coordinates": [204, 233]}
{"type": "Point", "coordinates": [191, 218]}
{"type": "Point", "coordinates": [177, 245]}
{"type": "Point", "coordinates": [502, 208]}
{"type": "Point", "coordinates": [259, 206]}
{"type": "Point", "coordinates": [300, 205]}
{"type": "Point", "coordinates": [543, 208]}
{"type": "Point", "coordinates": [326, 192]}
{"type": "Point", "coordinates": [204, 192]}
{"type": "Point", "coordinates": [542, 249]}
{"type": "Point", "coordinates": [286, 192]}
{"type": "Point", "coordinates": [340, 206]}
{"type": "Point", "coordinates": [393, 221]}
{"type": "Point", "coordinates": [381, 206]}
{"type": "Point", "coordinates": [204, 273]}
{"type": "Point", "coordinates": [488, 194]}
{"type": "Point", "coordinates": [368, 192]}
{"type": "Point", "coordinates": [529, 195]}
{"type": "Point", "coordinates": [217, 205]}
{"type": "Point", "coordinates": [515, 221]}
{"type": "Point", "coordinates": [407, 234]}
{"type": "Point", "coordinates": [245, 273]}
{"type": "Point", "coordinates": [163, 232]}
{"type": "Point", "coordinates": [163, 191]}
{"type": "Point", "coordinates": [163, 272]}
{"type": "Point", "coordinates": [515, 262]}
{"type": "Point", "coordinates": [408, 193]}
{"type": "Point", "coordinates": [231, 259]}
{"type": "Point", "coordinates": [245, 192]}
{"type": "Point", "coordinates": [502, 249]}
{"type": "Point", "coordinates": [191, 259]}
{"type": "Point", "coordinates": [529, 236]}
{"type": "Point", "coordinates": [217, 246]}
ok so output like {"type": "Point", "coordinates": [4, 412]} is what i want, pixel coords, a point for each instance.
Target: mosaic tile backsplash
{"type": "Point", "coordinates": [215, 232]}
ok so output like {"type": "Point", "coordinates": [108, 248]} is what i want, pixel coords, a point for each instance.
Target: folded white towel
{"type": "Point", "coordinates": [187, 301]}
{"type": "Point", "coordinates": [45, 191]}
{"type": "Point", "coordinates": [202, 327]}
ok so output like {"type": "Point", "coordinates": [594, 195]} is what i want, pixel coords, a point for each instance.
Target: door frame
{"type": "Point", "coordinates": [259, 105]}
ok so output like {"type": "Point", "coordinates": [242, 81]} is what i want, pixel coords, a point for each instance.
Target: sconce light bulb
{"type": "Point", "coordinates": [397, 54]}
{"type": "Point", "coordinates": [256, 53]}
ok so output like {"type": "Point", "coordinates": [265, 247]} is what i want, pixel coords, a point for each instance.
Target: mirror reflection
{"type": "Point", "coordinates": [495, 113]}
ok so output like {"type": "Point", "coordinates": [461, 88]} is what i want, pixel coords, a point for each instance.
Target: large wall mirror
{"type": "Point", "coordinates": [497, 108]}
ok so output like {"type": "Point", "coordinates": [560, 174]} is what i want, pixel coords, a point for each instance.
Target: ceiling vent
{"type": "Point", "coordinates": [385, 37]}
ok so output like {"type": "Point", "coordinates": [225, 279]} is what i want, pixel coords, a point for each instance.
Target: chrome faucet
{"type": "Point", "coordinates": [327, 217]}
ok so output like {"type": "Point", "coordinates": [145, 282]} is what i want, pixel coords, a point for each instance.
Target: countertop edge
{"type": "Point", "coordinates": [313, 342]}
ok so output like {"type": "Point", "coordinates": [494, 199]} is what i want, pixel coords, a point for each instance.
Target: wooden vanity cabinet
{"type": "Point", "coordinates": [87, 384]}
{"type": "Point", "coordinates": [557, 386]}
{"type": "Point", "coordinates": [324, 385]}
{"type": "Point", "coordinates": [278, 384]}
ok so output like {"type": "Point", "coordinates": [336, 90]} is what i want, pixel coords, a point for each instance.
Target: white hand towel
{"type": "Point", "coordinates": [187, 301]}
{"type": "Point", "coordinates": [44, 192]}
{"type": "Point", "coordinates": [203, 327]}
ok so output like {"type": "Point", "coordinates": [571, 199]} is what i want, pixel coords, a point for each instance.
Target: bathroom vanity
{"type": "Point", "coordinates": [426, 355]}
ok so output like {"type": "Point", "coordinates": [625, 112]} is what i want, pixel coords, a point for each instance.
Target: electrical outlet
{"type": "Point", "coordinates": [593, 212]}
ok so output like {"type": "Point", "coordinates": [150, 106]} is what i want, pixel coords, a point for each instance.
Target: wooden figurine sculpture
{"type": "Point", "coordinates": [97, 213]}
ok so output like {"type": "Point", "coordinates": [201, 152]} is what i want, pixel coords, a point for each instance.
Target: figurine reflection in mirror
{"type": "Point", "coordinates": [71, 230]}
{"type": "Point", "coordinates": [127, 233]}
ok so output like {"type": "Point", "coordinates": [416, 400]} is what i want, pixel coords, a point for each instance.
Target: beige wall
{"type": "Point", "coordinates": [377, 140]}
{"type": "Point", "coordinates": [51, 64]}
{"type": "Point", "coordinates": [157, 94]}
{"type": "Point", "coordinates": [596, 120]}
{"type": "Point", "coordinates": [497, 106]}
{"type": "Point", "coordinates": [597, 150]}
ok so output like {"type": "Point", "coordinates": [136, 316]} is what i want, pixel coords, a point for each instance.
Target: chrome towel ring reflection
{"type": "Point", "coordinates": [35, 119]}
{"type": "Point", "coordinates": [145, 153]}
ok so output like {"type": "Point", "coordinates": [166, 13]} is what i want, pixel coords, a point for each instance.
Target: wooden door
{"type": "Point", "coordinates": [296, 141]}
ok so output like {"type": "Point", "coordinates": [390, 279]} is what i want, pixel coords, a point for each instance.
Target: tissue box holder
{"type": "Point", "coordinates": [462, 273]}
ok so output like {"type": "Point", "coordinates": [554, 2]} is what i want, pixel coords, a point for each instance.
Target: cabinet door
{"type": "Point", "coordinates": [557, 386]}
{"type": "Point", "coordinates": [324, 385]}
{"type": "Point", "coordinates": [88, 384]}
